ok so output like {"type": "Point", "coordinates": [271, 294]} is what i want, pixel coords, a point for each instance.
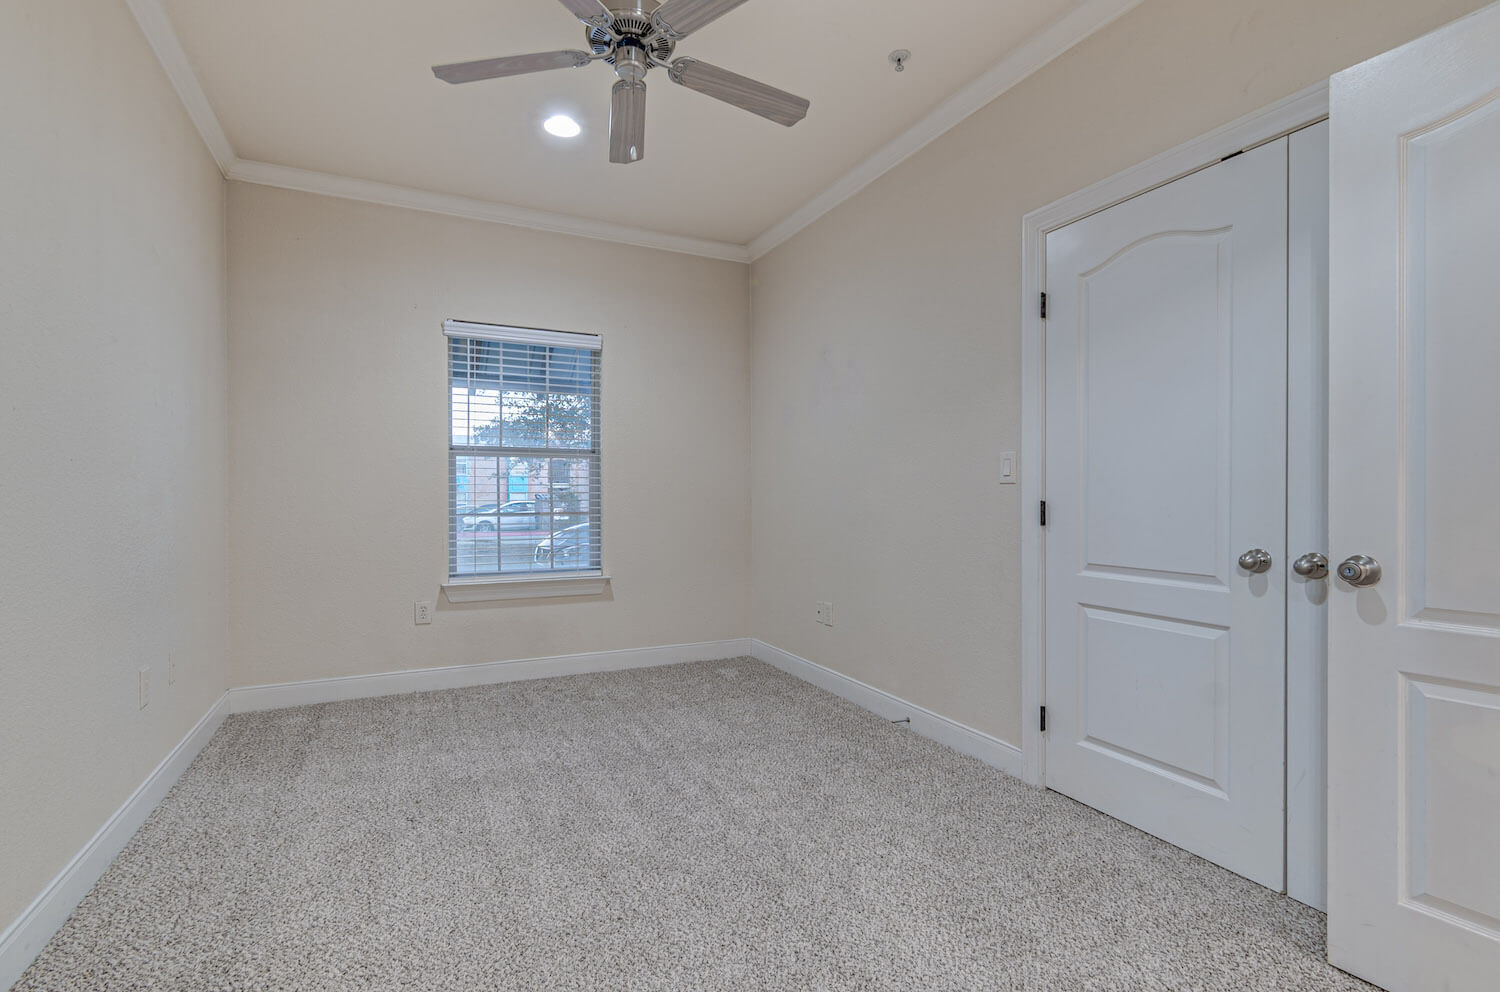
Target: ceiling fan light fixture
{"type": "Point", "coordinates": [562, 126]}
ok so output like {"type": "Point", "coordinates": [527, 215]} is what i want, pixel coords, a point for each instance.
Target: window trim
{"type": "Point", "coordinates": [577, 340]}
{"type": "Point", "coordinates": [493, 590]}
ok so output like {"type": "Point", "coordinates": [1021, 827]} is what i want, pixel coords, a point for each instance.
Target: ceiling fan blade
{"type": "Point", "coordinates": [679, 18]}
{"type": "Point", "coordinates": [509, 65]}
{"type": "Point", "coordinates": [588, 11]}
{"type": "Point", "coordinates": [747, 94]}
{"type": "Point", "coordinates": [627, 122]}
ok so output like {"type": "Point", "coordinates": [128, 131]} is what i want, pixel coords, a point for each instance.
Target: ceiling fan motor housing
{"type": "Point", "coordinates": [631, 27]}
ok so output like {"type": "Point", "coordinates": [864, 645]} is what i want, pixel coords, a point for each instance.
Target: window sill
{"type": "Point", "coordinates": [530, 587]}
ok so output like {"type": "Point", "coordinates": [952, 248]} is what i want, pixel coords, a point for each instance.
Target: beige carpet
{"type": "Point", "coordinates": [710, 826]}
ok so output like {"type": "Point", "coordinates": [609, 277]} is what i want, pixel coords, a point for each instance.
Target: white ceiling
{"type": "Point", "coordinates": [344, 87]}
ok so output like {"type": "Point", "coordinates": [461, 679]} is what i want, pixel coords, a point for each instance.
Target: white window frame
{"type": "Point", "coordinates": [488, 587]}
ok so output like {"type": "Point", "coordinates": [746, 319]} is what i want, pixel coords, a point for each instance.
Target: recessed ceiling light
{"type": "Point", "coordinates": [562, 126]}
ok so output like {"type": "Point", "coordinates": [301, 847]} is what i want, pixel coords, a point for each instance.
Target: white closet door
{"type": "Point", "coordinates": [1307, 517]}
{"type": "Point", "coordinates": [1166, 461]}
{"type": "Point", "coordinates": [1414, 483]}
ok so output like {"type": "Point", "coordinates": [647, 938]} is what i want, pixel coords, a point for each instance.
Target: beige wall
{"type": "Point", "coordinates": [872, 383]}
{"type": "Point", "coordinates": [113, 427]}
{"type": "Point", "coordinates": [339, 451]}
{"type": "Point", "coordinates": [887, 342]}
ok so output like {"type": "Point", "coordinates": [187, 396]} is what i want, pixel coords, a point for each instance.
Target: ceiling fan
{"type": "Point", "coordinates": [635, 36]}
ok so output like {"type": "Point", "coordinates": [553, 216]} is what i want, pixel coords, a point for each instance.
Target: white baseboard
{"type": "Point", "coordinates": [249, 699]}
{"type": "Point", "coordinates": [966, 740]}
{"type": "Point", "coordinates": [28, 933]}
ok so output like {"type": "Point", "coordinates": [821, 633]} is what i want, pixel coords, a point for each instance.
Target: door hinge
{"type": "Point", "coordinates": [1044, 513]}
{"type": "Point", "coordinates": [1044, 720]}
{"type": "Point", "coordinates": [1044, 306]}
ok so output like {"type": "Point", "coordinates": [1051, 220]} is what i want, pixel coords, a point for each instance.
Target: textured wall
{"type": "Point", "coordinates": [340, 470]}
{"type": "Point", "coordinates": [113, 427]}
{"type": "Point", "coordinates": [886, 356]}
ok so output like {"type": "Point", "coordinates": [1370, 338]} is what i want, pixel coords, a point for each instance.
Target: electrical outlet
{"type": "Point", "coordinates": [145, 687]}
{"type": "Point", "coordinates": [171, 670]}
{"type": "Point", "coordinates": [824, 614]}
{"type": "Point", "coordinates": [422, 612]}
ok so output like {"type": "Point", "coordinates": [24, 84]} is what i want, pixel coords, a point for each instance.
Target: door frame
{"type": "Point", "coordinates": [1268, 124]}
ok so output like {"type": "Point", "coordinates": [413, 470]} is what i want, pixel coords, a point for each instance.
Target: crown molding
{"type": "Point", "coordinates": [1056, 38]}
{"type": "Point", "coordinates": [1084, 19]}
{"type": "Point", "coordinates": [327, 184]}
{"type": "Point", "coordinates": [157, 27]}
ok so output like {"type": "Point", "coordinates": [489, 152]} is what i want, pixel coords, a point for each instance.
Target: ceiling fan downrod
{"type": "Point", "coordinates": [627, 104]}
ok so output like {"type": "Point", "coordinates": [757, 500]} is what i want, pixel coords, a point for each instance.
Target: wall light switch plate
{"type": "Point", "coordinates": [1010, 472]}
{"type": "Point", "coordinates": [422, 612]}
{"type": "Point", "coordinates": [145, 687]}
{"type": "Point", "coordinates": [171, 670]}
{"type": "Point", "coordinates": [824, 614]}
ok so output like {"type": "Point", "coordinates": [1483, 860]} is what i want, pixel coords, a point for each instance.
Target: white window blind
{"type": "Point", "coordinates": [523, 452]}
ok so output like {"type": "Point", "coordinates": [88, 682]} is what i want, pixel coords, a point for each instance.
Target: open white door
{"type": "Point", "coordinates": [1414, 470]}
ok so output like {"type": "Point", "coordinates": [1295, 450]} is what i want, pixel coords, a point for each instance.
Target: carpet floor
{"type": "Point", "coordinates": [718, 825]}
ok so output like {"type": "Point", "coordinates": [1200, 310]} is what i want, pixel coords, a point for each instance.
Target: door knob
{"type": "Point", "coordinates": [1311, 566]}
{"type": "Point", "coordinates": [1256, 561]}
{"type": "Point", "coordinates": [1360, 570]}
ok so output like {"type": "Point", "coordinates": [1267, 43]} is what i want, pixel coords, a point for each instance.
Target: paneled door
{"type": "Point", "coordinates": [1414, 485]}
{"type": "Point", "coordinates": [1166, 344]}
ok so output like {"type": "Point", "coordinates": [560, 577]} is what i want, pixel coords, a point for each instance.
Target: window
{"type": "Point", "coordinates": [523, 452]}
